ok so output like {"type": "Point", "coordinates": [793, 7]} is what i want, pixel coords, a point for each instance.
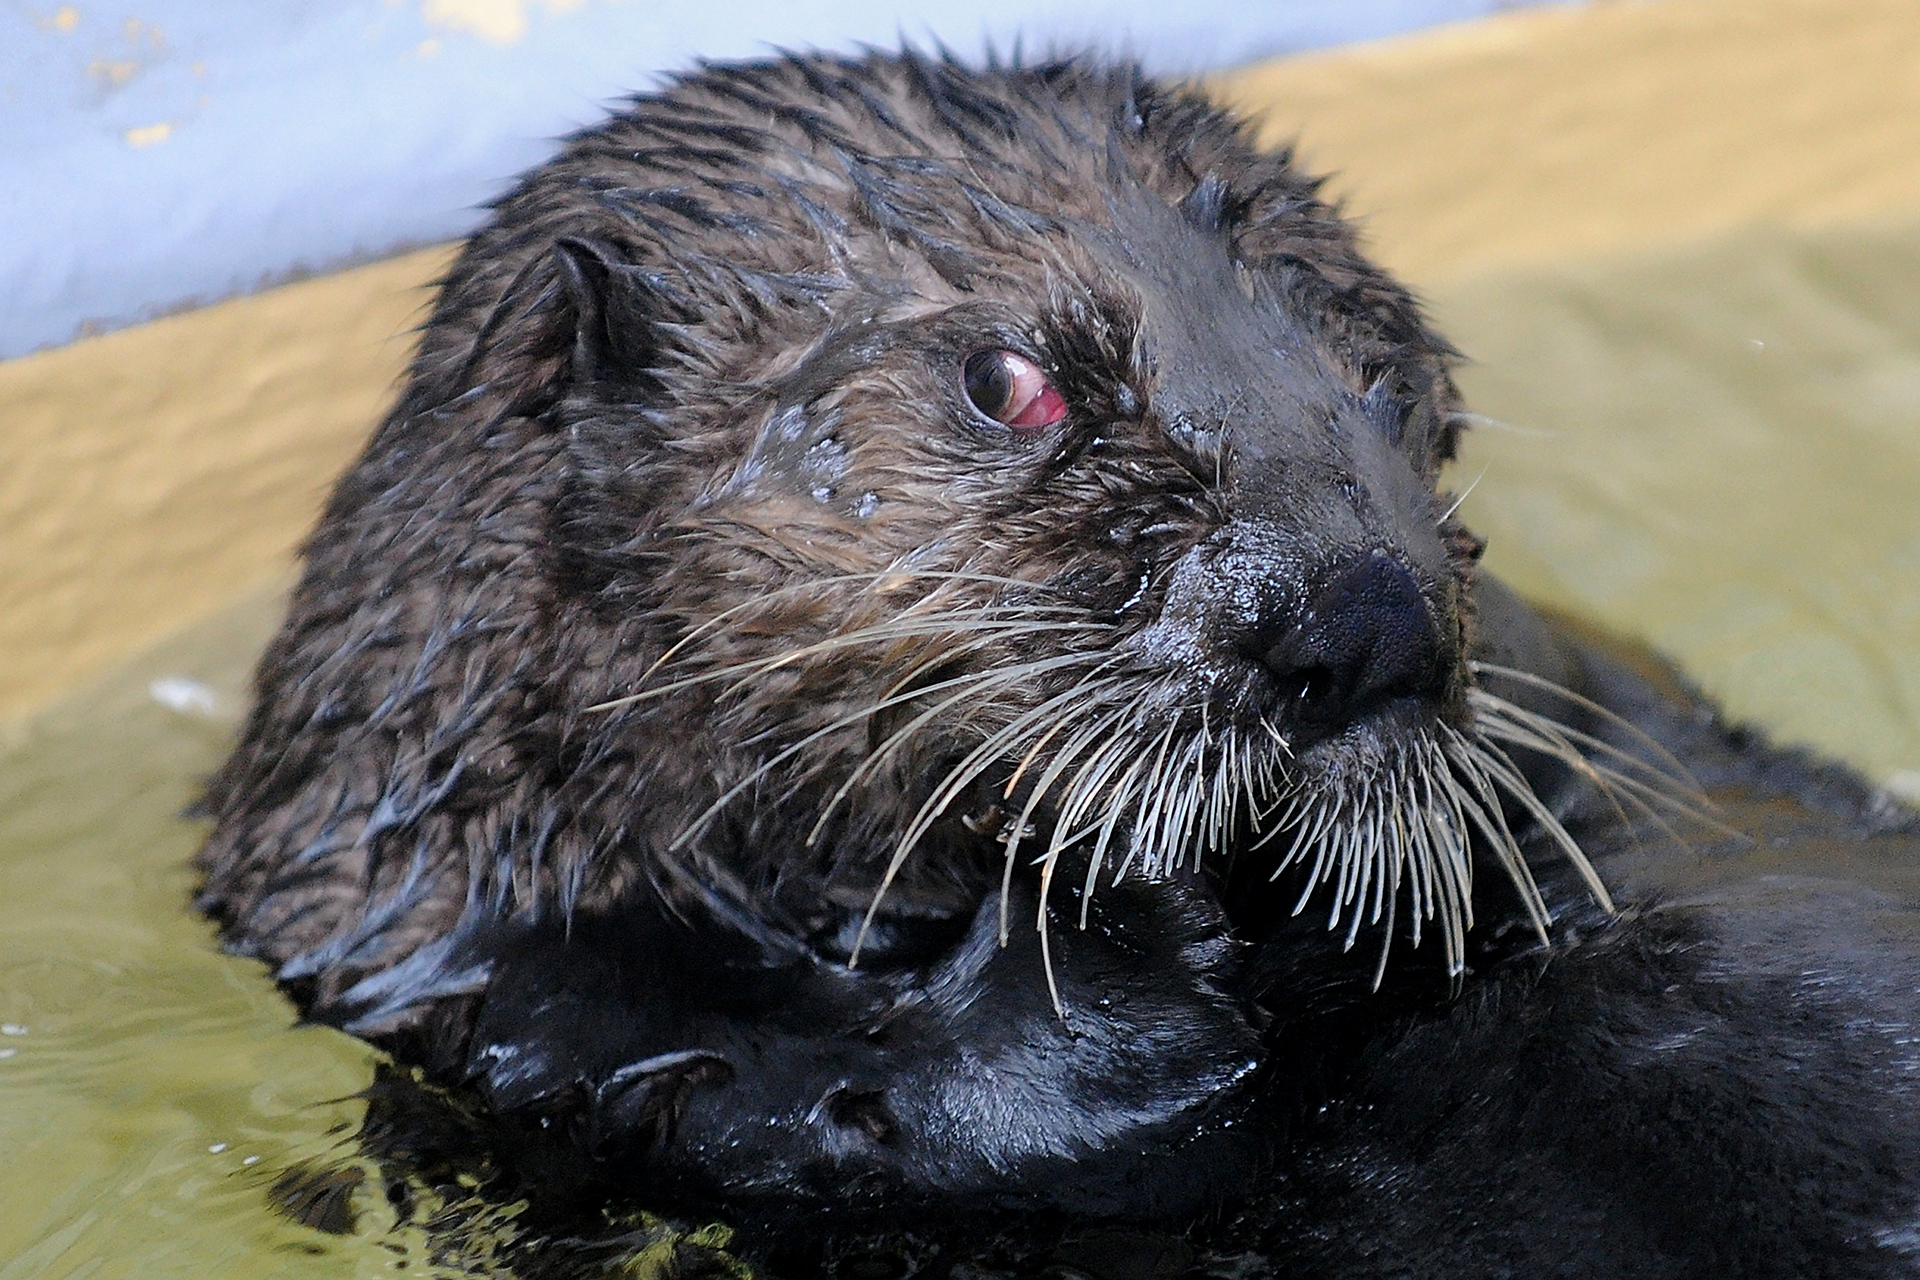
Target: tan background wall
{"type": "Point", "coordinates": [148, 475]}
{"type": "Point", "coordinates": [1617, 126]}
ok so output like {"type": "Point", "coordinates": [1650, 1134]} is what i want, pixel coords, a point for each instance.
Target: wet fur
{"type": "Point", "coordinates": [675, 681]}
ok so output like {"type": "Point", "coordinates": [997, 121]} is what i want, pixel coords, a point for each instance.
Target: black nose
{"type": "Point", "coordinates": [1364, 639]}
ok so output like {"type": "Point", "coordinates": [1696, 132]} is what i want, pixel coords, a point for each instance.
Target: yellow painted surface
{"type": "Point", "coordinates": [1595, 129]}
{"type": "Point", "coordinates": [1716, 449]}
{"type": "Point", "coordinates": [148, 475]}
{"type": "Point", "coordinates": [501, 22]}
{"type": "Point", "coordinates": [148, 135]}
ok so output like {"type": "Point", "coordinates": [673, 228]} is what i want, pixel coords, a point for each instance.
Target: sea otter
{"type": "Point", "coordinates": [902, 655]}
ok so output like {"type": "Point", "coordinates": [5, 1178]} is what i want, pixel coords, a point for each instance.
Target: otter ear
{"type": "Point", "coordinates": [615, 305]}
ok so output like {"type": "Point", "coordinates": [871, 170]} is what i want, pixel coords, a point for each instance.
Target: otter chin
{"type": "Point", "coordinates": [904, 650]}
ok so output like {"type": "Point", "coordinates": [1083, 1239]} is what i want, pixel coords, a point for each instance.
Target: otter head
{"type": "Point", "coordinates": [899, 641]}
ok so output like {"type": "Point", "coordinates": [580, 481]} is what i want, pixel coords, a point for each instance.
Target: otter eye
{"type": "Point", "coordinates": [1011, 390]}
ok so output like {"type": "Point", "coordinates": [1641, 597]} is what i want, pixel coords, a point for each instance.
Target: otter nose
{"type": "Point", "coordinates": [1365, 638]}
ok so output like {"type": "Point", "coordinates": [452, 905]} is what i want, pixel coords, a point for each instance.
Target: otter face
{"type": "Point", "coordinates": [889, 593]}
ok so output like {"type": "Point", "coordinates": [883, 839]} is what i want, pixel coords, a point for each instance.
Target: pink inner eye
{"type": "Point", "coordinates": [1034, 402]}
{"type": "Point", "coordinates": [1011, 389]}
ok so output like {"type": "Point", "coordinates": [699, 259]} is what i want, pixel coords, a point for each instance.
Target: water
{"type": "Point", "coordinates": [1719, 451]}
{"type": "Point", "coordinates": [149, 1087]}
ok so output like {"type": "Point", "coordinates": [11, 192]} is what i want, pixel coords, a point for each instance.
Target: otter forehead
{"type": "Point", "coordinates": [1245, 360]}
{"type": "Point", "coordinates": [765, 202]}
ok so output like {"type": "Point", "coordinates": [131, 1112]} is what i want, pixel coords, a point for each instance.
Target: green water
{"type": "Point", "coordinates": [1719, 451]}
{"type": "Point", "coordinates": [151, 1087]}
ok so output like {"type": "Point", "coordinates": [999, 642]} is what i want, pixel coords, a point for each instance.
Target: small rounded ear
{"type": "Point", "coordinates": [615, 305]}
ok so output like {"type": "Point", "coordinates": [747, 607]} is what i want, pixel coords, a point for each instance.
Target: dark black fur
{"type": "Point", "coordinates": [538, 790]}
